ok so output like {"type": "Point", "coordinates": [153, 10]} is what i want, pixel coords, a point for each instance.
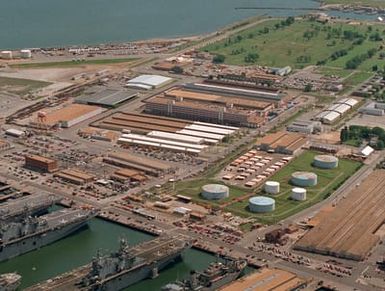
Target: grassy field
{"type": "Point", "coordinates": [300, 44]}
{"type": "Point", "coordinates": [371, 3]}
{"type": "Point", "coordinates": [20, 86]}
{"type": "Point", "coordinates": [72, 63]}
{"type": "Point", "coordinates": [333, 71]}
{"type": "Point", "coordinates": [328, 181]}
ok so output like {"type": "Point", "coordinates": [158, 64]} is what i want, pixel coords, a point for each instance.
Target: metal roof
{"type": "Point", "coordinates": [108, 97]}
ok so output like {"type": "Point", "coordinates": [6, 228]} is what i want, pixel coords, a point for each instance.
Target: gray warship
{"type": "Point", "coordinates": [30, 205]}
{"type": "Point", "coordinates": [17, 238]}
{"type": "Point", "coordinates": [130, 265]}
{"type": "Point", "coordinates": [214, 277]}
{"type": "Point", "coordinates": [9, 281]}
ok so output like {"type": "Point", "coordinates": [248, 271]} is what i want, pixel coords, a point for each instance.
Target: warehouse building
{"type": "Point", "coordinates": [107, 98]}
{"type": "Point", "coordinates": [146, 165]}
{"type": "Point", "coordinates": [282, 142]}
{"type": "Point", "coordinates": [75, 176]}
{"type": "Point", "coordinates": [373, 108]}
{"type": "Point", "coordinates": [267, 279]}
{"type": "Point", "coordinates": [15, 132]}
{"type": "Point", "coordinates": [149, 82]}
{"type": "Point", "coordinates": [336, 111]}
{"type": "Point", "coordinates": [65, 117]}
{"type": "Point", "coordinates": [129, 175]}
{"type": "Point", "coordinates": [41, 164]}
{"type": "Point", "coordinates": [305, 126]}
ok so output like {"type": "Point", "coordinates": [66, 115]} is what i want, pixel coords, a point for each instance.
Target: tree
{"type": "Point", "coordinates": [344, 135]}
{"type": "Point", "coordinates": [380, 145]}
{"type": "Point", "coordinates": [375, 68]}
{"type": "Point", "coordinates": [219, 59]}
{"type": "Point", "coordinates": [251, 58]}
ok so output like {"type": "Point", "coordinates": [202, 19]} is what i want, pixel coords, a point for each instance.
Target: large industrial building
{"type": "Point", "coordinates": [107, 98]}
{"type": "Point", "coordinates": [65, 117]}
{"type": "Point", "coordinates": [146, 165]}
{"type": "Point", "coordinates": [209, 107]}
{"type": "Point", "coordinates": [305, 126]}
{"type": "Point", "coordinates": [267, 279]}
{"type": "Point", "coordinates": [282, 142]}
{"type": "Point", "coordinates": [75, 176]}
{"type": "Point", "coordinates": [336, 110]}
{"type": "Point", "coordinates": [349, 230]}
{"type": "Point", "coordinates": [40, 163]}
{"type": "Point", "coordinates": [373, 108]}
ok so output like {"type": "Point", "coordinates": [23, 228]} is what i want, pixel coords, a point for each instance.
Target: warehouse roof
{"type": "Point", "coordinates": [331, 116]}
{"type": "Point", "coordinates": [108, 97]}
{"type": "Point", "coordinates": [148, 81]}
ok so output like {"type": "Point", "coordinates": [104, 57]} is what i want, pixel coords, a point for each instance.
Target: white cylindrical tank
{"type": "Point", "coordinates": [261, 204]}
{"type": "Point", "coordinates": [215, 191]}
{"type": "Point", "coordinates": [7, 55]}
{"type": "Point", "coordinates": [298, 194]}
{"type": "Point", "coordinates": [272, 187]}
{"type": "Point", "coordinates": [304, 179]}
{"type": "Point", "coordinates": [325, 162]}
{"type": "Point", "coordinates": [25, 54]}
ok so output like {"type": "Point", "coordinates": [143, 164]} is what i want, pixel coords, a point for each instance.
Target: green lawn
{"type": "Point", "coordinates": [371, 3]}
{"type": "Point", "coordinates": [333, 71]}
{"type": "Point", "coordinates": [288, 45]}
{"type": "Point", "coordinates": [73, 63]}
{"type": "Point", "coordinates": [20, 86]}
{"type": "Point", "coordinates": [328, 181]}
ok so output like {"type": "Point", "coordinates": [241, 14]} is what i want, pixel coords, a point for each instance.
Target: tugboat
{"type": "Point", "coordinates": [9, 281]}
{"type": "Point", "coordinates": [214, 277]}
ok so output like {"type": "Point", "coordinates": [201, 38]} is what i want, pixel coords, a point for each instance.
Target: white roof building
{"type": "Point", "coordinates": [149, 82]}
{"type": "Point", "coordinates": [367, 151]}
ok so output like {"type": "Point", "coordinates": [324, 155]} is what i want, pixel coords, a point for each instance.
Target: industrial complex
{"type": "Point", "coordinates": [275, 174]}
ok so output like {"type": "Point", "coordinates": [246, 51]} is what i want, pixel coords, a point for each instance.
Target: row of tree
{"type": "Point", "coordinates": [360, 133]}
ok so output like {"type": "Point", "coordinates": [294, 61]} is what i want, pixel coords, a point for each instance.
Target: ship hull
{"type": "Point", "coordinates": [135, 275]}
{"type": "Point", "coordinates": [220, 283]}
{"type": "Point", "coordinates": [40, 240]}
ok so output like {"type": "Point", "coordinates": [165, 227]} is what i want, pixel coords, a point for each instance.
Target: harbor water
{"type": "Point", "coordinates": [44, 23]}
{"type": "Point", "coordinates": [79, 248]}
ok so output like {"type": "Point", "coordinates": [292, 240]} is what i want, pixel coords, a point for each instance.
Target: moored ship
{"type": "Point", "coordinates": [17, 238]}
{"type": "Point", "coordinates": [217, 275]}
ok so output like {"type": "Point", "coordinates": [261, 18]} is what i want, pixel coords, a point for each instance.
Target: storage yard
{"type": "Point", "coordinates": [349, 231]}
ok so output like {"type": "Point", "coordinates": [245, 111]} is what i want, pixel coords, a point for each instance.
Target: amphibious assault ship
{"type": "Point", "coordinates": [128, 265]}
{"type": "Point", "coordinates": [30, 205]}
{"type": "Point", "coordinates": [17, 238]}
{"type": "Point", "coordinates": [215, 276]}
{"type": "Point", "coordinates": [9, 281]}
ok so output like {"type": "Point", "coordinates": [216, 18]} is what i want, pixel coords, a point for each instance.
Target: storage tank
{"type": "Point", "coordinates": [298, 194]}
{"type": "Point", "coordinates": [7, 55]}
{"type": "Point", "coordinates": [261, 204]}
{"type": "Point", "coordinates": [215, 191]}
{"type": "Point", "coordinates": [25, 54]}
{"type": "Point", "coordinates": [272, 187]}
{"type": "Point", "coordinates": [304, 179]}
{"type": "Point", "coordinates": [325, 162]}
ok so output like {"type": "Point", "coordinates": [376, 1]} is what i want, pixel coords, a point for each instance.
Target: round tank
{"type": "Point", "coordinates": [261, 204]}
{"type": "Point", "coordinates": [325, 162]}
{"type": "Point", "coordinates": [215, 191]}
{"type": "Point", "coordinates": [304, 179]}
{"type": "Point", "coordinates": [272, 187]}
{"type": "Point", "coordinates": [298, 194]}
{"type": "Point", "coordinates": [7, 55]}
{"type": "Point", "coordinates": [26, 54]}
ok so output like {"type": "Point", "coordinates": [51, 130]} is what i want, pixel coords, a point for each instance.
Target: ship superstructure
{"type": "Point", "coordinates": [215, 276]}
{"type": "Point", "coordinates": [20, 237]}
{"type": "Point", "coordinates": [30, 205]}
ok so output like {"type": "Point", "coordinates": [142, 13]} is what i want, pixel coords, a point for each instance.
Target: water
{"type": "Point", "coordinates": [78, 250]}
{"type": "Point", "coordinates": [42, 23]}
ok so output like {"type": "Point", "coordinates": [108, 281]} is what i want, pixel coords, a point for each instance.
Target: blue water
{"type": "Point", "coordinates": [42, 23]}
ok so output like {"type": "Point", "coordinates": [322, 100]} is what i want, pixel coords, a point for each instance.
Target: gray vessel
{"type": "Point", "coordinates": [214, 277]}
{"type": "Point", "coordinates": [128, 265]}
{"type": "Point", "coordinates": [17, 238]}
{"type": "Point", "coordinates": [30, 205]}
{"type": "Point", "coordinates": [9, 281]}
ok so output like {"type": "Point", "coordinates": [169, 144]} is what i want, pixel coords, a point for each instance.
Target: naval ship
{"type": "Point", "coordinates": [30, 205]}
{"type": "Point", "coordinates": [9, 281]}
{"type": "Point", "coordinates": [130, 265]}
{"type": "Point", "coordinates": [17, 238]}
{"type": "Point", "coordinates": [214, 277]}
